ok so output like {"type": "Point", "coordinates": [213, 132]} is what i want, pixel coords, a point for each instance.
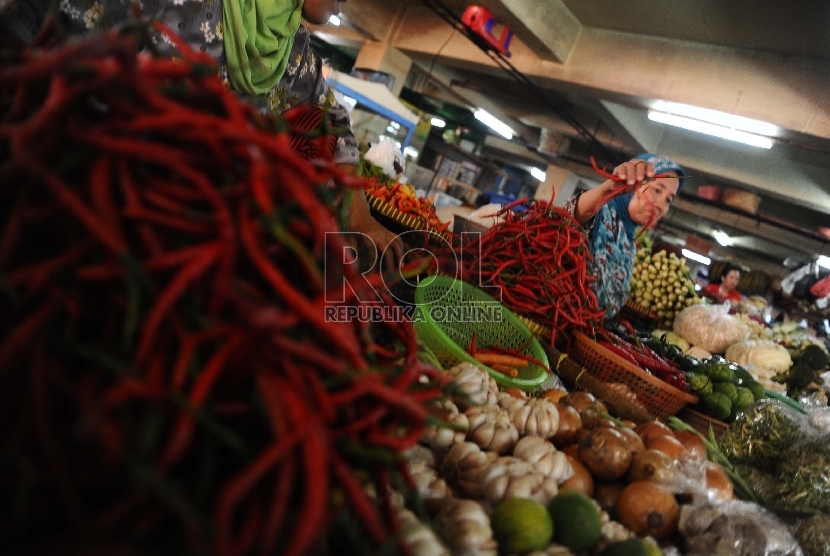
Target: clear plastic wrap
{"type": "Point", "coordinates": [762, 434]}
{"type": "Point", "coordinates": [813, 534]}
{"type": "Point", "coordinates": [804, 474]}
{"type": "Point", "coordinates": [734, 528]}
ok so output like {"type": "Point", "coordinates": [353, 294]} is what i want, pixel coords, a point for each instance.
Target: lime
{"type": "Point", "coordinates": [521, 525]}
{"type": "Point", "coordinates": [635, 546]}
{"type": "Point", "coordinates": [576, 519]}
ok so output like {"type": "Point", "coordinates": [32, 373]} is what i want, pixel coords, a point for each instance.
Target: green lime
{"type": "Point", "coordinates": [635, 546]}
{"type": "Point", "coordinates": [521, 525]}
{"type": "Point", "coordinates": [576, 519]}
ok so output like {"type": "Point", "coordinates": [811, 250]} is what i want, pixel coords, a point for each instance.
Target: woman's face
{"type": "Point", "coordinates": [730, 281]}
{"type": "Point", "coordinates": [318, 12]}
{"type": "Point", "coordinates": [652, 199]}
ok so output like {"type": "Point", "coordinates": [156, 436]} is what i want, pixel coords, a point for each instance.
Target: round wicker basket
{"type": "Point", "coordinates": [660, 399]}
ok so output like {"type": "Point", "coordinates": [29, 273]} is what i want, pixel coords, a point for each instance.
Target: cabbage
{"type": "Point", "coordinates": [710, 327]}
{"type": "Point", "coordinates": [760, 353]}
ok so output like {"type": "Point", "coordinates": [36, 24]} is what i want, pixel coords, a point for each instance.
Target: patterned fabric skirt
{"type": "Point", "coordinates": [310, 137]}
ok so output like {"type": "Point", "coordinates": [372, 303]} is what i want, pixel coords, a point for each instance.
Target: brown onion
{"type": "Point", "coordinates": [590, 409]}
{"type": "Point", "coordinates": [693, 444]}
{"type": "Point", "coordinates": [605, 453]}
{"type": "Point", "coordinates": [653, 465]}
{"type": "Point", "coordinates": [570, 426]}
{"type": "Point", "coordinates": [634, 440]}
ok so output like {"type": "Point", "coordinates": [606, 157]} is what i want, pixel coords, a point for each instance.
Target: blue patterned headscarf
{"type": "Point", "coordinates": [613, 242]}
{"type": "Point", "coordinates": [663, 164]}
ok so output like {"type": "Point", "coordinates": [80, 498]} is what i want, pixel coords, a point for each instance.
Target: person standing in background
{"type": "Point", "coordinates": [723, 288]}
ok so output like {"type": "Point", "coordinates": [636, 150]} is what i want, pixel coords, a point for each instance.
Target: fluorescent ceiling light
{"type": "Point", "coordinates": [716, 117]}
{"type": "Point", "coordinates": [411, 151]}
{"type": "Point", "coordinates": [438, 122]}
{"type": "Point", "coordinates": [334, 20]}
{"type": "Point", "coordinates": [823, 261]}
{"type": "Point", "coordinates": [538, 174]}
{"type": "Point", "coordinates": [710, 129]}
{"type": "Point", "coordinates": [696, 257]}
{"type": "Point", "coordinates": [722, 238]}
{"type": "Point", "coordinates": [496, 125]}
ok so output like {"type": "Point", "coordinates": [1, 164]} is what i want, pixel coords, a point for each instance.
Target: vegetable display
{"type": "Point", "coordinates": [169, 377]}
{"type": "Point", "coordinates": [710, 327]}
{"type": "Point", "coordinates": [400, 196]}
{"type": "Point", "coordinates": [662, 284]}
{"type": "Point", "coordinates": [539, 260]}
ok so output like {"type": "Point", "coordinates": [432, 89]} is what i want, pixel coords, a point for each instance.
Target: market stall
{"type": "Point", "coordinates": [184, 369]}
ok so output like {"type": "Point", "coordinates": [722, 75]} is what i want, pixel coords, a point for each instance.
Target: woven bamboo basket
{"type": "Point", "coordinates": [660, 399]}
{"type": "Point", "coordinates": [401, 218]}
{"type": "Point", "coordinates": [619, 404]}
{"type": "Point", "coordinates": [639, 311]}
{"type": "Point", "coordinates": [539, 330]}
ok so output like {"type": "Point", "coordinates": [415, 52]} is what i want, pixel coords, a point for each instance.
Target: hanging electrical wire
{"type": "Point", "coordinates": [595, 147]}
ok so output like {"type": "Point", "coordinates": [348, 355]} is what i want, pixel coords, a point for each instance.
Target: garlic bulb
{"type": "Point", "coordinates": [420, 455]}
{"type": "Point", "coordinates": [491, 428]}
{"type": "Point", "coordinates": [544, 458]}
{"type": "Point", "coordinates": [465, 528]}
{"type": "Point", "coordinates": [431, 488]}
{"type": "Point", "coordinates": [477, 387]}
{"type": "Point", "coordinates": [462, 466]}
{"type": "Point", "coordinates": [612, 531]}
{"type": "Point", "coordinates": [531, 416]}
{"type": "Point", "coordinates": [442, 437]}
{"type": "Point", "coordinates": [419, 538]}
{"type": "Point", "coordinates": [510, 477]}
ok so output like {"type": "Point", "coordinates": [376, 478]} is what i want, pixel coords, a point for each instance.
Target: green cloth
{"type": "Point", "coordinates": [258, 36]}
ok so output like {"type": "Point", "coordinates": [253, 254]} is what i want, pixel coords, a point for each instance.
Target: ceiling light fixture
{"type": "Point", "coordinates": [823, 261]}
{"type": "Point", "coordinates": [334, 20]}
{"type": "Point", "coordinates": [538, 174]}
{"type": "Point", "coordinates": [722, 238]}
{"type": "Point", "coordinates": [493, 123]}
{"type": "Point", "coordinates": [438, 122]}
{"type": "Point", "coordinates": [710, 129]}
{"type": "Point", "coordinates": [695, 257]}
{"type": "Point", "coordinates": [717, 117]}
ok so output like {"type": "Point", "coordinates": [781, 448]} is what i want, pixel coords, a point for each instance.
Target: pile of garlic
{"type": "Point", "coordinates": [494, 446]}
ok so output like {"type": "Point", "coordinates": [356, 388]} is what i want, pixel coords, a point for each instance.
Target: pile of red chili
{"type": "Point", "coordinates": [419, 207]}
{"type": "Point", "coordinates": [644, 357]}
{"type": "Point", "coordinates": [539, 259]}
{"type": "Point", "coordinates": [172, 375]}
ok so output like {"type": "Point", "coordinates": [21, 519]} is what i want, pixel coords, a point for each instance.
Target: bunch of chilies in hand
{"type": "Point", "coordinates": [571, 267]}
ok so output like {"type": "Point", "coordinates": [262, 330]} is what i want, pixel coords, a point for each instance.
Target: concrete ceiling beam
{"type": "Point", "coordinates": [792, 93]}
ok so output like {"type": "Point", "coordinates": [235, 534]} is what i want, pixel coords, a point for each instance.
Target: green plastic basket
{"type": "Point", "coordinates": [449, 311]}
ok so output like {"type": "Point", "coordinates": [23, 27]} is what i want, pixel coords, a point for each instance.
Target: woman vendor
{"type": "Point", "coordinates": [262, 50]}
{"type": "Point", "coordinates": [611, 227]}
{"type": "Point", "coordinates": [723, 287]}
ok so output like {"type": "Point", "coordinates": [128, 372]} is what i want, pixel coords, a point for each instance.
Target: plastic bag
{"type": "Point", "coordinates": [734, 528]}
{"type": "Point", "coordinates": [821, 288]}
{"type": "Point", "coordinates": [813, 534]}
{"type": "Point", "coordinates": [797, 284]}
{"type": "Point", "coordinates": [762, 434]}
{"type": "Point", "coordinates": [386, 155]}
{"type": "Point", "coordinates": [804, 475]}
{"type": "Point", "coordinates": [804, 469]}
